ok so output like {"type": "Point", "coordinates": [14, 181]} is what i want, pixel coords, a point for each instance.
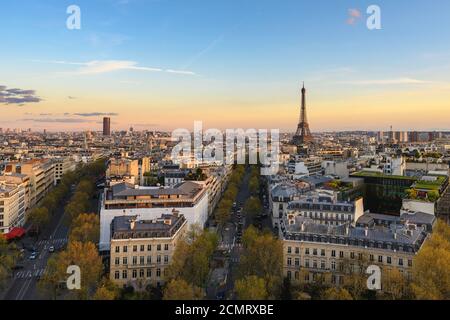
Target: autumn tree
{"type": "Point", "coordinates": [53, 278]}
{"type": "Point", "coordinates": [251, 288]}
{"type": "Point", "coordinates": [191, 260]}
{"type": "Point", "coordinates": [179, 289]}
{"type": "Point", "coordinates": [337, 294]}
{"type": "Point", "coordinates": [254, 185]}
{"type": "Point", "coordinates": [39, 217]}
{"type": "Point", "coordinates": [262, 256]}
{"type": "Point", "coordinates": [301, 295]}
{"type": "Point", "coordinates": [394, 284]}
{"type": "Point", "coordinates": [355, 277]}
{"type": "Point", "coordinates": [83, 255]}
{"type": "Point", "coordinates": [431, 272]}
{"type": "Point", "coordinates": [8, 256]}
{"type": "Point", "coordinates": [252, 206]}
{"type": "Point", "coordinates": [107, 290]}
{"type": "Point", "coordinates": [85, 227]}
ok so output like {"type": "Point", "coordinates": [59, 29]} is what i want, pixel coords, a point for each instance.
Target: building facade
{"type": "Point", "coordinates": [63, 165]}
{"type": "Point", "coordinates": [334, 252]}
{"type": "Point", "coordinates": [142, 250]}
{"type": "Point", "coordinates": [189, 199]}
{"type": "Point", "coordinates": [12, 206]}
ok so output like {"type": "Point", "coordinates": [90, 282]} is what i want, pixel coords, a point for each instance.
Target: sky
{"type": "Point", "coordinates": [163, 64]}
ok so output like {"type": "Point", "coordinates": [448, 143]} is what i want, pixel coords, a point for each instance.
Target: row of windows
{"type": "Point", "coordinates": [134, 274]}
{"type": "Point", "coordinates": [335, 279]}
{"type": "Point", "coordinates": [296, 262]}
{"type": "Point", "coordinates": [142, 260]}
{"type": "Point", "coordinates": [353, 255]}
{"type": "Point", "coordinates": [142, 248]}
{"type": "Point", "coordinates": [326, 215]}
{"type": "Point", "coordinates": [314, 252]}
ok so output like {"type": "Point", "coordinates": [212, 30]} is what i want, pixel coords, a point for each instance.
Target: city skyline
{"type": "Point", "coordinates": [159, 66]}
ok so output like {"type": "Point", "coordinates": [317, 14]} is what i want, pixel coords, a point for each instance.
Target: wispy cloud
{"type": "Point", "coordinates": [17, 96]}
{"type": "Point", "coordinates": [397, 81]}
{"type": "Point", "coordinates": [96, 114]}
{"type": "Point", "coordinates": [107, 66]}
{"type": "Point", "coordinates": [58, 120]}
{"type": "Point", "coordinates": [204, 51]}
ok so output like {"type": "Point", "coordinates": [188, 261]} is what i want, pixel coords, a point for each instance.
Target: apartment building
{"type": "Point", "coordinates": [322, 207]}
{"type": "Point", "coordinates": [301, 167]}
{"type": "Point", "coordinates": [141, 250]}
{"type": "Point", "coordinates": [312, 249]}
{"type": "Point", "coordinates": [281, 195]}
{"type": "Point", "coordinates": [41, 177]}
{"type": "Point", "coordinates": [189, 199]}
{"type": "Point", "coordinates": [63, 165]}
{"type": "Point", "coordinates": [134, 169]}
{"type": "Point", "coordinates": [216, 183]}
{"type": "Point", "coordinates": [12, 206]}
{"type": "Point", "coordinates": [395, 166]}
{"type": "Point", "coordinates": [22, 181]}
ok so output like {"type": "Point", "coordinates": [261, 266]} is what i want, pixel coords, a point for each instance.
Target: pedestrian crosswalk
{"type": "Point", "coordinates": [52, 242]}
{"type": "Point", "coordinates": [27, 274]}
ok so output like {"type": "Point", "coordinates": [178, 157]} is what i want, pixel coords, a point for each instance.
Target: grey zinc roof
{"type": "Point", "coordinates": [123, 223]}
{"type": "Point", "coordinates": [284, 191]}
{"type": "Point", "coordinates": [126, 190]}
{"type": "Point", "coordinates": [358, 233]}
{"type": "Point", "coordinates": [368, 217]}
{"type": "Point", "coordinates": [316, 180]}
{"type": "Point", "coordinates": [419, 218]}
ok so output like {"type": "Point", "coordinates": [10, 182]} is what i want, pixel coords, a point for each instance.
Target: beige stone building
{"type": "Point", "coordinates": [63, 165]}
{"type": "Point", "coordinates": [12, 206]}
{"type": "Point", "coordinates": [132, 170]}
{"type": "Point", "coordinates": [36, 177]}
{"type": "Point", "coordinates": [311, 250]}
{"type": "Point", "coordinates": [142, 250]}
{"type": "Point", "coordinates": [41, 175]}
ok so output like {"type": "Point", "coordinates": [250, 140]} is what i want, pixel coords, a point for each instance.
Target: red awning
{"type": "Point", "coordinates": [15, 233]}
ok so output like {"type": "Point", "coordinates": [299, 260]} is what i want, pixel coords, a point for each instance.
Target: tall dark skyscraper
{"type": "Point", "coordinates": [303, 134]}
{"type": "Point", "coordinates": [106, 126]}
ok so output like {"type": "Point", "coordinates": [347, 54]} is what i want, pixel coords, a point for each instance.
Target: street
{"type": "Point", "coordinates": [23, 285]}
{"type": "Point", "coordinates": [230, 239]}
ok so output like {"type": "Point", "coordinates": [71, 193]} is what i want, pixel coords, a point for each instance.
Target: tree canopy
{"type": "Point", "coordinates": [262, 257]}
{"type": "Point", "coordinates": [431, 272]}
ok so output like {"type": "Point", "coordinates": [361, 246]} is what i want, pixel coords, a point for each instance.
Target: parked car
{"type": "Point", "coordinates": [51, 249]}
{"type": "Point", "coordinates": [33, 256]}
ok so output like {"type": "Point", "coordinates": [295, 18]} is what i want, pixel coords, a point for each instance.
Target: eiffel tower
{"type": "Point", "coordinates": [303, 135]}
